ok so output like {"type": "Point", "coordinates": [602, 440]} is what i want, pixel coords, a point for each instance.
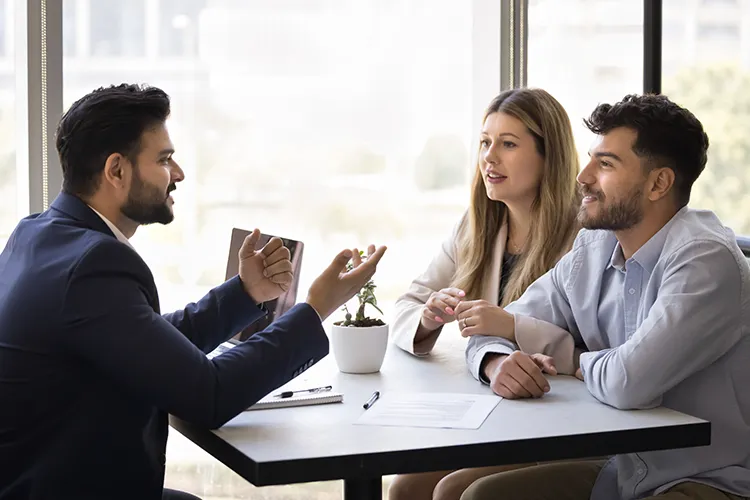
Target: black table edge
{"type": "Point", "coordinates": [369, 465]}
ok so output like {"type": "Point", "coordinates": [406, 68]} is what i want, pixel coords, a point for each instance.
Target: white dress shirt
{"type": "Point", "coordinates": [118, 234]}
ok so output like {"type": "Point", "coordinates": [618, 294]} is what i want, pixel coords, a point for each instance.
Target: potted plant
{"type": "Point", "coordinates": [359, 342]}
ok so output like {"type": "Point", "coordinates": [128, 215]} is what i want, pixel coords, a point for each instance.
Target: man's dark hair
{"type": "Point", "coordinates": [106, 121]}
{"type": "Point", "coordinates": [667, 136]}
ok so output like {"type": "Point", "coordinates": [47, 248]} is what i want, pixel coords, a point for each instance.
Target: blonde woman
{"type": "Point", "coordinates": [521, 220]}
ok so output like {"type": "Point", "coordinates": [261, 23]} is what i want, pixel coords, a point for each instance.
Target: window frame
{"type": "Point", "coordinates": [38, 46]}
{"type": "Point", "coordinates": [38, 76]}
{"type": "Point", "coordinates": [39, 81]}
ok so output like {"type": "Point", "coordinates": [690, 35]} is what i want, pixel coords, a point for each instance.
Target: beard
{"type": "Point", "coordinates": [615, 216]}
{"type": "Point", "coordinates": [147, 204]}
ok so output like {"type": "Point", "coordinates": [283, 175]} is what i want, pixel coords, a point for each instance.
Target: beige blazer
{"type": "Point", "coordinates": [439, 275]}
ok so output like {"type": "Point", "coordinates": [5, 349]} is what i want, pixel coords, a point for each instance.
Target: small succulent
{"type": "Point", "coordinates": [365, 296]}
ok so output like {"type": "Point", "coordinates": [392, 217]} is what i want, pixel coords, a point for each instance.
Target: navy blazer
{"type": "Point", "coordinates": [89, 368]}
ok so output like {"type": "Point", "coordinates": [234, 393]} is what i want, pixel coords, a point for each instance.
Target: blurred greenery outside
{"type": "Point", "coordinates": [719, 96]}
{"type": "Point", "coordinates": [360, 208]}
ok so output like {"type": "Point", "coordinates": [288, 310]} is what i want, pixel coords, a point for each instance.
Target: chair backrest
{"type": "Point", "coordinates": [744, 244]}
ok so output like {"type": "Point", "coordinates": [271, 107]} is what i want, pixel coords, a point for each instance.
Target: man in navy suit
{"type": "Point", "coordinates": [89, 368]}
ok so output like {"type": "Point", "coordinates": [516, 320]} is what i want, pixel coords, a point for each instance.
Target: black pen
{"type": "Point", "coordinates": [289, 394]}
{"type": "Point", "coordinates": [371, 401]}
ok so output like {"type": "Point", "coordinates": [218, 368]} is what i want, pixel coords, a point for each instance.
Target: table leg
{"type": "Point", "coordinates": [363, 489]}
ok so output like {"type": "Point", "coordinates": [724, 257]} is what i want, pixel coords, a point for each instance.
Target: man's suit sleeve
{"type": "Point", "coordinates": [223, 312]}
{"type": "Point", "coordinates": [110, 325]}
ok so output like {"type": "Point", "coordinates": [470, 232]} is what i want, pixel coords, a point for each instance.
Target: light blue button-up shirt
{"type": "Point", "coordinates": [667, 327]}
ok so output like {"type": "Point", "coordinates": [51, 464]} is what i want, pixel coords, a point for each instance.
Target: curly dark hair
{"type": "Point", "coordinates": [668, 135]}
{"type": "Point", "coordinates": [108, 120]}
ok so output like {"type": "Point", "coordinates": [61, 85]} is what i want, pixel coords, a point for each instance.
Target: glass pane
{"type": "Point", "coordinates": [9, 213]}
{"type": "Point", "coordinates": [585, 52]}
{"type": "Point", "coordinates": [70, 13]}
{"type": "Point", "coordinates": [117, 28]}
{"type": "Point", "coordinates": [334, 122]}
{"type": "Point", "coordinates": [178, 27]}
{"type": "Point", "coordinates": [706, 56]}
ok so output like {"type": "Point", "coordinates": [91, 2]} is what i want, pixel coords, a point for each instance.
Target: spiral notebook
{"type": "Point", "coordinates": [321, 398]}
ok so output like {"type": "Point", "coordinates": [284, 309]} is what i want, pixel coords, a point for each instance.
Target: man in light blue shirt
{"type": "Point", "coordinates": [650, 307]}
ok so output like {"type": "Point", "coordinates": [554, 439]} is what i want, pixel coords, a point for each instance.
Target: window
{"type": "Point", "coordinates": [718, 31]}
{"type": "Point", "coordinates": [4, 25]}
{"type": "Point", "coordinates": [178, 27]}
{"type": "Point", "coordinates": [585, 52]}
{"type": "Point", "coordinates": [9, 201]}
{"type": "Point", "coordinates": [337, 123]}
{"type": "Point", "coordinates": [70, 13]}
{"type": "Point", "coordinates": [713, 81]}
{"type": "Point", "coordinates": [117, 28]}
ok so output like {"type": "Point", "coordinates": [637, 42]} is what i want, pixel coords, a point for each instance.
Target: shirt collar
{"type": "Point", "coordinates": [118, 234]}
{"type": "Point", "coordinates": [618, 259]}
{"type": "Point", "coordinates": [648, 255]}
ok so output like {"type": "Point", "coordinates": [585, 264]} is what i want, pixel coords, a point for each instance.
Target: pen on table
{"type": "Point", "coordinates": [371, 401]}
{"type": "Point", "coordinates": [289, 394]}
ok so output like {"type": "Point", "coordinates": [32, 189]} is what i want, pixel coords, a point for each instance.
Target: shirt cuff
{"type": "Point", "coordinates": [588, 358]}
{"type": "Point", "coordinates": [476, 366]}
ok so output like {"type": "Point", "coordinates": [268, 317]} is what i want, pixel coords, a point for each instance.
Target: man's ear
{"type": "Point", "coordinates": [115, 170]}
{"type": "Point", "coordinates": [661, 181]}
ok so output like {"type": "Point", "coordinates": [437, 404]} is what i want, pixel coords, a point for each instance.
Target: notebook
{"type": "Point", "coordinates": [321, 398]}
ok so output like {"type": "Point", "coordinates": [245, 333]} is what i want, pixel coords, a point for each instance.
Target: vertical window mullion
{"type": "Point", "coordinates": [652, 46]}
{"type": "Point", "coordinates": [513, 43]}
{"type": "Point", "coordinates": [38, 51]}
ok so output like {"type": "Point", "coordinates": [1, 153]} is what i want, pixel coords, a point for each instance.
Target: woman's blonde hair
{"type": "Point", "coordinates": [554, 208]}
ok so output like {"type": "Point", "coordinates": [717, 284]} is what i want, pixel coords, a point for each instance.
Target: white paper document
{"type": "Point", "coordinates": [430, 409]}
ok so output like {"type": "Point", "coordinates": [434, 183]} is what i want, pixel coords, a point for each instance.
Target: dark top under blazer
{"type": "Point", "coordinates": [89, 368]}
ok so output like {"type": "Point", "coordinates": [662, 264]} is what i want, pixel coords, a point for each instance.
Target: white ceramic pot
{"type": "Point", "coordinates": [359, 349]}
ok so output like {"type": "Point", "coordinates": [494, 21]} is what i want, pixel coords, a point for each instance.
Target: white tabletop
{"type": "Point", "coordinates": [321, 442]}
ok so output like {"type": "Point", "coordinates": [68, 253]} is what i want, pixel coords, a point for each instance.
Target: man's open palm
{"type": "Point", "coordinates": [265, 273]}
{"type": "Point", "coordinates": [336, 285]}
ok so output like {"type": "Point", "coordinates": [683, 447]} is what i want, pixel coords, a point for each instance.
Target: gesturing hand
{"type": "Point", "coordinates": [519, 375]}
{"type": "Point", "coordinates": [335, 286]}
{"type": "Point", "coordinates": [479, 317]}
{"type": "Point", "coordinates": [265, 273]}
{"type": "Point", "coordinates": [440, 308]}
